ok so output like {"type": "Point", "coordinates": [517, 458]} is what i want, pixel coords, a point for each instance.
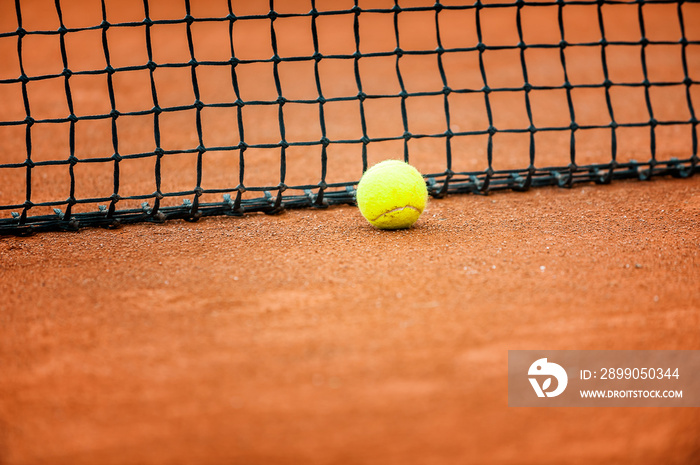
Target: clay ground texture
{"type": "Point", "coordinates": [310, 337]}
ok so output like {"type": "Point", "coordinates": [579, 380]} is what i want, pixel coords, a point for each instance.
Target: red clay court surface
{"type": "Point", "coordinates": [310, 337]}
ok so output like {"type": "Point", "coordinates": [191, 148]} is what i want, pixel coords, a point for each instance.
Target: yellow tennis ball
{"type": "Point", "coordinates": [392, 195]}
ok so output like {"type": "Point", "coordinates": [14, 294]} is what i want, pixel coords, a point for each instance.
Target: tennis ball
{"type": "Point", "coordinates": [392, 195]}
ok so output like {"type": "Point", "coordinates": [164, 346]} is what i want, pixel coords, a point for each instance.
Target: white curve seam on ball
{"type": "Point", "coordinates": [396, 210]}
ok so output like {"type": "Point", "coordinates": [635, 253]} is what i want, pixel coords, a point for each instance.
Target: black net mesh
{"type": "Point", "coordinates": [228, 110]}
